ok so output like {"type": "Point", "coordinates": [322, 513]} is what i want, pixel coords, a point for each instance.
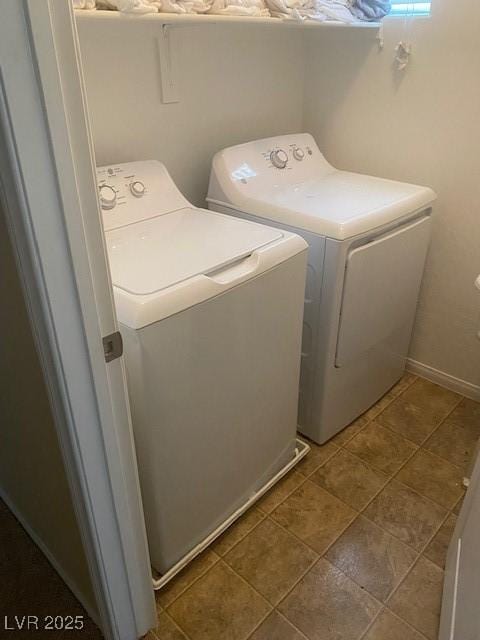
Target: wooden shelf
{"type": "Point", "coordinates": [188, 19]}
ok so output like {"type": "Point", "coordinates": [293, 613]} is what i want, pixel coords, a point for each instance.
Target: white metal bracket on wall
{"type": "Point", "coordinates": [168, 76]}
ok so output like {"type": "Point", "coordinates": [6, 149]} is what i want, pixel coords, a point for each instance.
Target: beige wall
{"type": "Point", "coordinates": [236, 84]}
{"type": "Point", "coordinates": [422, 126]}
{"type": "Point", "coordinates": [32, 475]}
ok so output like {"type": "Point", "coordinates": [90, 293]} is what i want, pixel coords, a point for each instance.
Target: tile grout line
{"type": "Point", "coordinates": [257, 524]}
{"type": "Point", "coordinates": [449, 412]}
{"type": "Point", "coordinates": [175, 624]}
{"type": "Point", "coordinates": [420, 556]}
{"type": "Point", "coordinates": [250, 586]}
{"type": "Point", "coordinates": [190, 584]}
{"type": "Point", "coordinates": [304, 544]}
{"type": "Point", "coordinates": [395, 615]}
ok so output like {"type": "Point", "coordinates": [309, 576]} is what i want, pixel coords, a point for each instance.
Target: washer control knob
{"type": "Point", "coordinates": [108, 196]}
{"type": "Point", "coordinates": [298, 153]}
{"type": "Point", "coordinates": [137, 189]}
{"type": "Point", "coordinates": [279, 158]}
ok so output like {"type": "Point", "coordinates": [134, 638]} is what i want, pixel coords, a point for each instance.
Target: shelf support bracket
{"type": "Point", "coordinates": [167, 68]}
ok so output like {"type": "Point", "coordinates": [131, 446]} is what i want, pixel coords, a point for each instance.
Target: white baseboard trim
{"type": "Point", "coordinates": [51, 559]}
{"type": "Point", "coordinates": [444, 379]}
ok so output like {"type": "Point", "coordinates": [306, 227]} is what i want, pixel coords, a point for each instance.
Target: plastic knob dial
{"type": "Point", "coordinates": [137, 189]}
{"type": "Point", "coordinates": [108, 196]}
{"type": "Point", "coordinates": [298, 153]}
{"type": "Point", "coordinates": [279, 158]}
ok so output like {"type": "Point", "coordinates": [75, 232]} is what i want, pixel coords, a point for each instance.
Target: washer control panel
{"type": "Point", "coordinates": [135, 191]}
{"type": "Point", "coordinates": [116, 184]}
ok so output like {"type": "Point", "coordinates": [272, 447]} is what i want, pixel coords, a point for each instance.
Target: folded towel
{"type": "Point", "coordinates": [254, 8]}
{"type": "Point", "coordinates": [371, 9]}
{"type": "Point", "coordinates": [294, 9]}
{"type": "Point", "coordinates": [130, 6]}
{"type": "Point", "coordinates": [185, 6]}
{"type": "Point", "coordinates": [338, 10]}
{"type": "Point", "coordinates": [319, 10]}
{"type": "Point", "coordinates": [84, 4]}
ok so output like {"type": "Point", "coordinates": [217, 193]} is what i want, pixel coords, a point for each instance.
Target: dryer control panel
{"type": "Point", "coordinates": [284, 157]}
{"type": "Point", "coordinates": [274, 162]}
{"type": "Point", "coordinates": [134, 191]}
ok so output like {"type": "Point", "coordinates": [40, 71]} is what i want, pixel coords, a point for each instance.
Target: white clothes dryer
{"type": "Point", "coordinates": [368, 241]}
{"type": "Point", "coordinates": [210, 310]}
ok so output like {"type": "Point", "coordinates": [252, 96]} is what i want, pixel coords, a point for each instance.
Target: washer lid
{"type": "Point", "coordinates": [154, 254]}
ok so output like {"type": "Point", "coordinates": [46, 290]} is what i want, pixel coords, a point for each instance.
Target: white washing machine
{"type": "Point", "coordinates": [210, 309]}
{"type": "Point", "coordinates": [368, 242]}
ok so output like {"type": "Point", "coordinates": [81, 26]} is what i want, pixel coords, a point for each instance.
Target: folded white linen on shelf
{"type": "Point", "coordinates": [320, 10]}
{"type": "Point", "coordinates": [254, 8]}
{"type": "Point", "coordinates": [130, 6]}
{"type": "Point", "coordinates": [333, 10]}
{"type": "Point", "coordinates": [84, 4]}
{"type": "Point", "coordinates": [185, 6]}
{"type": "Point", "coordinates": [153, 6]}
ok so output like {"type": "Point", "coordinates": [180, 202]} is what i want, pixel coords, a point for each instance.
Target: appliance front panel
{"type": "Point", "coordinates": [381, 287]}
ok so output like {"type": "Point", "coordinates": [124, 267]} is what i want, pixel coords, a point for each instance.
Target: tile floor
{"type": "Point", "coordinates": [350, 545]}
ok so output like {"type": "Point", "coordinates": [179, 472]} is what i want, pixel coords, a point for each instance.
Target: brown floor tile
{"type": "Point", "coordinates": [280, 491]}
{"type": "Point", "coordinates": [402, 385]}
{"type": "Point", "coordinates": [388, 627]}
{"type": "Point", "coordinates": [371, 557]}
{"type": "Point", "coordinates": [167, 630]}
{"type": "Point", "coordinates": [317, 455]}
{"type": "Point", "coordinates": [438, 547]}
{"type": "Point", "coordinates": [430, 396]}
{"type": "Point", "coordinates": [350, 479]}
{"type": "Point", "coordinates": [379, 406]}
{"type": "Point", "coordinates": [418, 599]}
{"type": "Point", "coordinates": [381, 448]}
{"type": "Point", "coordinates": [314, 515]}
{"type": "Point", "coordinates": [453, 443]}
{"type": "Point", "coordinates": [406, 515]}
{"type": "Point", "coordinates": [219, 606]}
{"type": "Point", "coordinates": [276, 627]}
{"type": "Point", "coordinates": [410, 421]}
{"type": "Point", "coordinates": [327, 605]}
{"type": "Point", "coordinates": [467, 415]}
{"type": "Point", "coordinates": [184, 579]}
{"type": "Point", "coordinates": [271, 560]}
{"type": "Point", "coordinates": [347, 434]}
{"type": "Point", "coordinates": [434, 478]}
{"type": "Point", "coordinates": [237, 531]}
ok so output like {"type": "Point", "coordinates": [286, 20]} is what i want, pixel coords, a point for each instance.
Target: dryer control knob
{"type": "Point", "coordinates": [108, 196]}
{"type": "Point", "coordinates": [137, 189]}
{"type": "Point", "coordinates": [298, 153]}
{"type": "Point", "coordinates": [279, 158]}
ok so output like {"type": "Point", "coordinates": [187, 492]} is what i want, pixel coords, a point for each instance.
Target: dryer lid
{"type": "Point", "coordinates": [151, 255]}
{"type": "Point", "coordinates": [340, 205]}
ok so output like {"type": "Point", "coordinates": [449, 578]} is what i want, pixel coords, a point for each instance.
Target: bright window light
{"type": "Point", "coordinates": [405, 8]}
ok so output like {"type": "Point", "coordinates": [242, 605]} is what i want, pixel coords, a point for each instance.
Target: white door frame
{"type": "Point", "coordinates": [48, 182]}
